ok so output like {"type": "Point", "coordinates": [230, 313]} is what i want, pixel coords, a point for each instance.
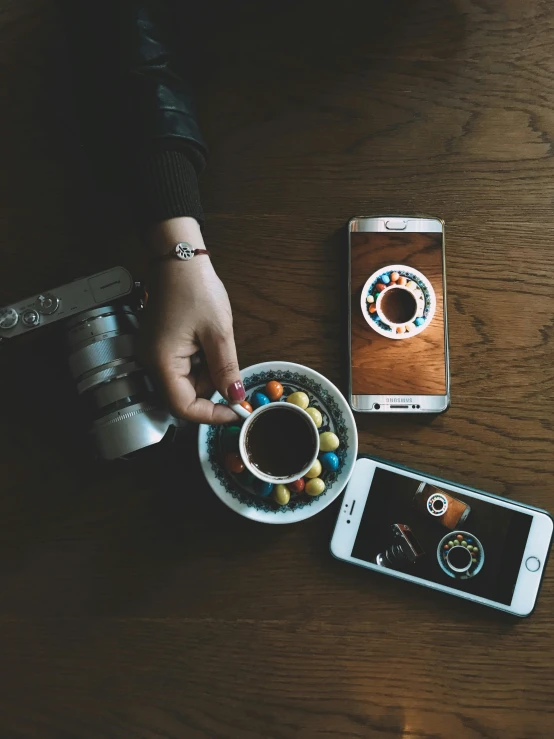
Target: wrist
{"type": "Point", "coordinates": [166, 234]}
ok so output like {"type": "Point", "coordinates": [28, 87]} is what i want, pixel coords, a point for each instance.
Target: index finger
{"type": "Point", "coordinates": [184, 403]}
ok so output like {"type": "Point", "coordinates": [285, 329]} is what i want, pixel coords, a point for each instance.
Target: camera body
{"type": "Point", "coordinates": [405, 548]}
{"type": "Point", "coordinates": [99, 317]}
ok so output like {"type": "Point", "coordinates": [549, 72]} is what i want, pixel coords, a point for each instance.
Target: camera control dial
{"type": "Point", "coordinates": [8, 318]}
{"type": "Point", "coordinates": [47, 304]}
{"type": "Point", "coordinates": [30, 318]}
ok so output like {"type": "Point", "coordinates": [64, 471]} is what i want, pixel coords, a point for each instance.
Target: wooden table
{"type": "Point", "coordinates": [132, 602]}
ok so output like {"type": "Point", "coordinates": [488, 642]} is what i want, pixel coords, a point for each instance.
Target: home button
{"type": "Point", "coordinates": [532, 564]}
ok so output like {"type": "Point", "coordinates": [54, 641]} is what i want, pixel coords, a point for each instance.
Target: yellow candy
{"type": "Point", "coordinates": [328, 441]}
{"type": "Point", "coordinates": [315, 415]}
{"type": "Point", "coordinates": [315, 469]}
{"type": "Point", "coordinates": [411, 285]}
{"type": "Point", "coordinates": [281, 494]}
{"type": "Point", "coordinates": [299, 399]}
{"type": "Point", "coordinates": [315, 487]}
{"type": "Point", "coordinates": [370, 299]}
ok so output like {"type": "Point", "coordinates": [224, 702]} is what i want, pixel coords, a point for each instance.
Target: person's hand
{"type": "Point", "coordinates": [188, 311]}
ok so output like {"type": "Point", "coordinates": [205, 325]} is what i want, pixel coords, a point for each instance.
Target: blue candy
{"type": "Point", "coordinates": [385, 279]}
{"type": "Point", "coordinates": [259, 399]}
{"type": "Point", "coordinates": [419, 321]}
{"type": "Point", "coordinates": [263, 488]}
{"type": "Point", "coordinates": [329, 461]}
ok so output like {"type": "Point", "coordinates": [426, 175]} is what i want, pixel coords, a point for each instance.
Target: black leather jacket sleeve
{"type": "Point", "coordinates": [139, 102]}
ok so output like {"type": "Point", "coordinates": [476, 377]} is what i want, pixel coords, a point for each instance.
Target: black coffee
{"type": "Point", "coordinates": [399, 306]}
{"type": "Point", "coordinates": [459, 557]}
{"type": "Point", "coordinates": [280, 442]}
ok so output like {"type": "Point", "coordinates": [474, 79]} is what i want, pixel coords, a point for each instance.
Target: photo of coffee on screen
{"type": "Point", "coordinates": [382, 364]}
{"type": "Point", "coordinates": [398, 305]}
{"type": "Point", "coordinates": [400, 531]}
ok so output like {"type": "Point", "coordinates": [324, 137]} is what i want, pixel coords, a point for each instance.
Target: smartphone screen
{"type": "Point", "coordinates": [380, 365]}
{"type": "Point", "coordinates": [498, 534]}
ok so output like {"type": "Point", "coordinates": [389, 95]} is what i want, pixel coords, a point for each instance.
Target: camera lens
{"type": "Point", "coordinates": [376, 406]}
{"type": "Point", "coordinates": [125, 412]}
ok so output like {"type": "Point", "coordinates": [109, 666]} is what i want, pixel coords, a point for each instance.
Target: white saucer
{"type": "Point", "coordinates": [337, 418]}
{"type": "Point", "coordinates": [424, 285]}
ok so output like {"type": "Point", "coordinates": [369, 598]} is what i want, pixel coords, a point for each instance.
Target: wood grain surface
{"type": "Point", "coordinates": [132, 602]}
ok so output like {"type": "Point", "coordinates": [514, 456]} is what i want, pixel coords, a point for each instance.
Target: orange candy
{"type": "Point", "coordinates": [274, 390]}
{"type": "Point", "coordinates": [394, 276]}
{"type": "Point", "coordinates": [402, 280]}
{"type": "Point", "coordinates": [233, 463]}
{"type": "Point", "coordinates": [372, 308]}
{"type": "Point", "coordinates": [400, 329]}
{"type": "Point", "coordinates": [246, 405]}
{"type": "Point", "coordinates": [297, 486]}
{"type": "Point", "coordinates": [380, 287]}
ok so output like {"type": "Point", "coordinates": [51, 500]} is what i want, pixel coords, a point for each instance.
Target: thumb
{"type": "Point", "coordinates": [221, 357]}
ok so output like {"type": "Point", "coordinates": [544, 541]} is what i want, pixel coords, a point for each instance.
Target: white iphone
{"type": "Point", "coordinates": [398, 331]}
{"type": "Point", "coordinates": [450, 538]}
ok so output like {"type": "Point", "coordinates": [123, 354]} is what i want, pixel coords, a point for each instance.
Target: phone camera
{"type": "Point", "coordinates": [376, 406]}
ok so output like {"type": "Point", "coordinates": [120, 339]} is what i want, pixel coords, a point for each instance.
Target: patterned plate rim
{"type": "Point", "coordinates": [282, 515]}
{"type": "Point", "coordinates": [424, 284]}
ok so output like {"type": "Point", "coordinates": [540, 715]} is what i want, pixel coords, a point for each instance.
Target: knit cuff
{"type": "Point", "coordinates": [167, 187]}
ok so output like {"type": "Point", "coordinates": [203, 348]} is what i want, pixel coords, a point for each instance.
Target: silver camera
{"type": "Point", "coordinates": [100, 323]}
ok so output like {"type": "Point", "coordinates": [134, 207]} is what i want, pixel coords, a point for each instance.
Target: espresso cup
{"type": "Point", "coordinates": [459, 559]}
{"type": "Point", "coordinates": [398, 305]}
{"type": "Point", "coordinates": [279, 443]}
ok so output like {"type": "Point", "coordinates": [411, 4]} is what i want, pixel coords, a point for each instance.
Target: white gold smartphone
{"type": "Point", "coordinates": [446, 537]}
{"type": "Point", "coordinates": [397, 325]}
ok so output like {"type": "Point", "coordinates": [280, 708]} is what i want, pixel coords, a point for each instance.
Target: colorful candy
{"type": "Point", "coordinates": [231, 438]}
{"type": "Point", "coordinates": [419, 321]}
{"type": "Point", "coordinates": [315, 487]}
{"type": "Point", "coordinates": [401, 280]}
{"type": "Point", "coordinates": [281, 494]}
{"type": "Point", "coordinates": [315, 415]}
{"type": "Point", "coordinates": [372, 308]}
{"type": "Point", "coordinates": [263, 488]}
{"type": "Point", "coordinates": [370, 299]}
{"type": "Point", "coordinates": [385, 278]}
{"type": "Point", "coordinates": [315, 470]}
{"type": "Point", "coordinates": [234, 463]}
{"type": "Point", "coordinates": [411, 285]}
{"type": "Point", "coordinates": [300, 399]}
{"type": "Point", "coordinates": [246, 405]}
{"type": "Point", "coordinates": [400, 329]}
{"type": "Point", "coordinates": [329, 461]}
{"type": "Point", "coordinates": [259, 399]}
{"type": "Point", "coordinates": [380, 287]}
{"type": "Point", "coordinates": [328, 441]}
{"type": "Point", "coordinates": [297, 486]}
{"type": "Point", "coordinates": [248, 479]}
{"type": "Point", "coordinates": [274, 390]}
{"type": "Point", "coordinates": [394, 276]}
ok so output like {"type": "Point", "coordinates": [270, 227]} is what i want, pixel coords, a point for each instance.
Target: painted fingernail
{"type": "Point", "coordinates": [236, 392]}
